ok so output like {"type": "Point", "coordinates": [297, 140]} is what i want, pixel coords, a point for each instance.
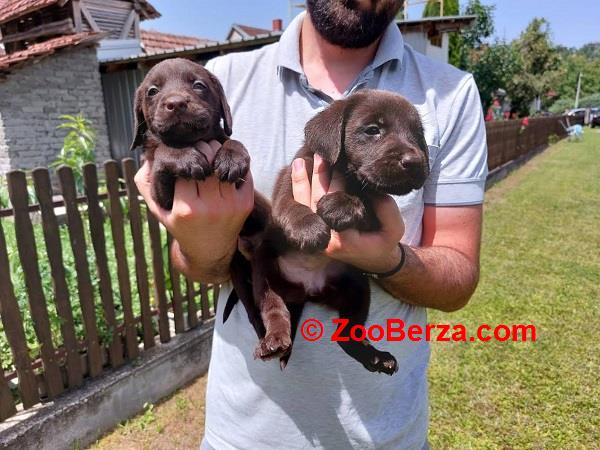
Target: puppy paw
{"type": "Point", "coordinates": [309, 234]}
{"type": "Point", "coordinates": [193, 164]}
{"type": "Point", "coordinates": [382, 362]}
{"type": "Point", "coordinates": [341, 211]}
{"type": "Point", "coordinates": [273, 345]}
{"type": "Point", "coordinates": [232, 162]}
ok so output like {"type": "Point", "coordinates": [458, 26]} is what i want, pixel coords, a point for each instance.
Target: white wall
{"type": "Point", "coordinates": [420, 42]}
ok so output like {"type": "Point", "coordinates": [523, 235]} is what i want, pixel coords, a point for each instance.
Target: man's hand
{"type": "Point", "coordinates": [205, 221]}
{"type": "Point", "coordinates": [371, 252]}
{"type": "Point", "coordinates": [442, 273]}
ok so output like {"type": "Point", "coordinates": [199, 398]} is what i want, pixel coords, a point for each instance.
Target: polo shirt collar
{"type": "Point", "coordinates": [390, 48]}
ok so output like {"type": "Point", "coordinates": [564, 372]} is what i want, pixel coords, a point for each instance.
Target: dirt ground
{"type": "Point", "coordinates": [176, 423]}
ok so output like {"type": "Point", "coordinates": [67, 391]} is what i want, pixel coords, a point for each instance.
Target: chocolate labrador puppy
{"type": "Point", "coordinates": [376, 140]}
{"type": "Point", "coordinates": [179, 104]}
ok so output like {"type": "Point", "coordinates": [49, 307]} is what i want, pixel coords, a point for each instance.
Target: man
{"type": "Point", "coordinates": [323, 398]}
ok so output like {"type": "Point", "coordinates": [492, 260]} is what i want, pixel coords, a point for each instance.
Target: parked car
{"type": "Point", "coordinates": [576, 116]}
{"type": "Point", "coordinates": [595, 117]}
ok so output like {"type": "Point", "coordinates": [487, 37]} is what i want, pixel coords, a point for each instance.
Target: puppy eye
{"type": "Point", "coordinates": [152, 91]}
{"type": "Point", "coordinates": [372, 130]}
{"type": "Point", "coordinates": [199, 85]}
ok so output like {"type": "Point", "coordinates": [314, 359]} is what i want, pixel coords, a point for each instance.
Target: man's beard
{"type": "Point", "coordinates": [350, 24]}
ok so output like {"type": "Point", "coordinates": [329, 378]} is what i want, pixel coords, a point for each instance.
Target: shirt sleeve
{"type": "Point", "coordinates": [459, 168]}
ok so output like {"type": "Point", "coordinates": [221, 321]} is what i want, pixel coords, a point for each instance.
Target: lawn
{"type": "Point", "coordinates": [541, 266]}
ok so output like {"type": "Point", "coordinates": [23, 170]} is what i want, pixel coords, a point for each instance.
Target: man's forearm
{"type": "Point", "coordinates": [435, 277]}
{"type": "Point", "coordinates": [202, 268]}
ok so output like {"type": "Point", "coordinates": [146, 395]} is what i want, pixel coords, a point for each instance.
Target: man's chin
{"type": "Point", "coordinates": [351, 25]}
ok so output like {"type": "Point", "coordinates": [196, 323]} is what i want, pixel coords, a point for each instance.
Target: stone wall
{"type": "Point", "coordinates": [33, 97]}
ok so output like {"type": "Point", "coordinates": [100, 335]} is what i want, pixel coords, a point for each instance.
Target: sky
{"type": "Point", "coordinates": [573, 22]}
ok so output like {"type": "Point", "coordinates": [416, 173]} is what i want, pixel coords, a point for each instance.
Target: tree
{"type": "Point", "coordinates": [433, 8]}
{"type": "Point", "coordinates": [571, 67]}
{"type": "Point", "coordinates": [494, 67]}
{"type": "Point", "coordinates": [591, 50]}
{"type": "Point", "coordinates": [451, 8]}
{"type": "Point", "coordinates": [484, 23]}
{"type": "Point", "coordinates": [540, 63]}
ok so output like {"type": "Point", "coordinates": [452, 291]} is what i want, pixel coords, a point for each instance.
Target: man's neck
{"type": "Point", "coordinates": [328, 67]}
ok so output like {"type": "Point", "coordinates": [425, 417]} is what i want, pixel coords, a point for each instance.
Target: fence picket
{"type": "Point", "coordinates": [7, 404]}
{"type": "Point", "coordinates": [43, 189]}
{"type": "Point", "coordinates": [191, 304]}
{"type": "Point", "coordinates": [177, 300]}
{"type": "Point", "coordinates": [26, 246]}
{"type": "Point", "coordinates": [216, 291]}
{"type": "Point", "coordinates": [141, 268]}
{"type": "Point", "coordinates": [111, 171]}
{"type": "Point", "coordinates": [158, 269]}
{"type": "Point", "coordinates": [84, 282]}
{"type": "Point", "coordinates": [96, 224]}
{"type": "Point", "coordinates": [15, 332]}
{"type": "Point", "coordinates": [204, 302]}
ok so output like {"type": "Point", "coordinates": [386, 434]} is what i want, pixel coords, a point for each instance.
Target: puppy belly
{"type": "Point", "coordinates": [310, 271]}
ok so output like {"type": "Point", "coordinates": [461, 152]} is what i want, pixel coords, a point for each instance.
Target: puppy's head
{"type": "Point", "coordinates": [181, 103]}
{"type": "Point", "coordinates": [378, 136]}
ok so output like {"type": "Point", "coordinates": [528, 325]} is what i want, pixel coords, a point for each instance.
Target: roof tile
{"type": "Point", "coordinates": [9, 9]}
{"type": "Point", "coordinates": [47, 48]}
{"type": "Point", "coordinates": [252, 31]}
{"type": "Point", "coordinates": [155, 41]}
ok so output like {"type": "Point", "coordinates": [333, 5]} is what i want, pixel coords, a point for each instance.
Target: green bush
{"type": "Point", "coordinates": [79, 146]}
{"type": "Point", "coordinates": [4, 203]}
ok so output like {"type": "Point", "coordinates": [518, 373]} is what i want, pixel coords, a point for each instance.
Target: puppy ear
{"type": "Point", "coordinates": [324, 133]}
{"type": "Point", "coordinates": [225, 111]}
{"type": "Point", "coordinates": [140, 125]}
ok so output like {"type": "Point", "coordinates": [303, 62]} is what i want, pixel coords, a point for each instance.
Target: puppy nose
{"type": "Point", "coordinates": [176, 103]}
{"type": "Point", "coordinates": [411, 162]}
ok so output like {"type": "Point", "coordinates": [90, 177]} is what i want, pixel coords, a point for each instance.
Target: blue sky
{"type": "Point", "coordinates": [573, 22]}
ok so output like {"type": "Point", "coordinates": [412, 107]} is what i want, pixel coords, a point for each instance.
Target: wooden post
{"type": "Point", "coordinates": [96, 224]}
{"type": "Point", "coordinates": [84, 282]}
{"type": "Point", "coordinates": [141, 268]}
{"type": "Point", "coordinates": [111, 170]}
{"type": "Point", "coordinates": [15, 333]}
{"type": "Point", "coordinates": [17, 191]}
{"type": "Point", "coordinates": [43, 189]}
{"type": "Point", "coordinates": [77, 15]}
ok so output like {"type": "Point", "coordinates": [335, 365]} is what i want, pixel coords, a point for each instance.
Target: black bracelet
{"type": "Point", "coordinates": [394, 271]}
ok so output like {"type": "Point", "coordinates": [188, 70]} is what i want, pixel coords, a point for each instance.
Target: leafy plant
{"type": "Point", "coordinates": [4, 202]}
{"type": "Point", "coordinates": [78, 147]}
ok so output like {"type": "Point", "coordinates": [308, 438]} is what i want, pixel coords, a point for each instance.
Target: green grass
{"type": "Point", "coordinates": [541, 266]}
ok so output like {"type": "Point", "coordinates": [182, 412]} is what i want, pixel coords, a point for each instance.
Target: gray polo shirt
{"type": "Point", "coordinates": [324, 398]}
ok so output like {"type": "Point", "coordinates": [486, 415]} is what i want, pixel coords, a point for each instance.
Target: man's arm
{"type": "Point", "coordinates": [205, 221]}
{"type": "Point", "coordinates": [443, 272]}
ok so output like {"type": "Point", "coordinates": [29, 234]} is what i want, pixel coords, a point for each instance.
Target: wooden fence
{"type": "Point", "coordinates": [510, 139]}
{"type": "Point", "coordinates": [96, 313]}
{"type": "Point", "coordinates": [67, 321]}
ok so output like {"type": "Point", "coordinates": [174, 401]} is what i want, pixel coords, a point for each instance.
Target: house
{"type": "Point", "coordinates": [50, 68]}
{"type": "Point", "coordinates": [240, 32]}
{"type": "Point", "coordinates": [430, 35]}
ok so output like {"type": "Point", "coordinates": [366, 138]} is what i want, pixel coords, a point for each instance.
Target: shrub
{"type": "Point", "coordinates": [78, 147]}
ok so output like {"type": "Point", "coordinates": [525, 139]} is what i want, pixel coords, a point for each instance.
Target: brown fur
{"type": "Point", "coordinates": [179, 104]}
{"type": "Point", "coordinates": [376, 139]}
